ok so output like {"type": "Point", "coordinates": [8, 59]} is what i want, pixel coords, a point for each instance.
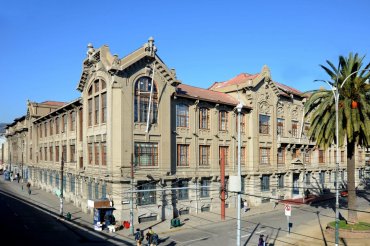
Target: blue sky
{"type": "Point", "coordinates": [44, 42]}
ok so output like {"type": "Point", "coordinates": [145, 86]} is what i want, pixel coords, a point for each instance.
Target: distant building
{"type": "Point", "coordinates": [173, 136]}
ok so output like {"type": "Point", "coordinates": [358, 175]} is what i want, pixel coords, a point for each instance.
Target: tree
{"type": "Point", "coordinates": [353, 115]}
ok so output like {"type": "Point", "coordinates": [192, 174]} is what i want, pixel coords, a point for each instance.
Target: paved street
{"type": "Point", "coordinates": [35, 215]}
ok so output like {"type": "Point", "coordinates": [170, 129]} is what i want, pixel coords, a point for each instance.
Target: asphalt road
{"type": "Point", "coordinates": [23, 224]}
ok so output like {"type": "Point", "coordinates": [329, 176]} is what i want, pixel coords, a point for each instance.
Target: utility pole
{"type": "Point", "coordinates": [132, 197]}
{"type": "Point", "coordinates": [61, 185]}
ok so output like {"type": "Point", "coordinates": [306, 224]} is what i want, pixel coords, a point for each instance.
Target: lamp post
{"type": "Point", "coordinates": [336, 94]}
{"type": "Point", "coordinates": [239, 108]}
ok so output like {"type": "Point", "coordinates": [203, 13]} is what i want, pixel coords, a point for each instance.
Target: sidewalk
{"type": "Point", "coordinates": [50, 203]}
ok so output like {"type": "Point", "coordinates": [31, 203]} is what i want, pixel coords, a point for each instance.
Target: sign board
{"type": "Point", "coordinates": [288, 210]}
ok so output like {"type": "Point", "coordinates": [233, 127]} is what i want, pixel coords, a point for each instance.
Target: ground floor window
{"type": "Point", "coordinates": [146, 194]}
{"type": "Point", "coordinates": [265, 183]}
{"type": "Point", "coordinates": [204, 187]}
{"type": "Point", "coordinates": [183, 194]}
{"type": "Point", "coordinates": [281, 181]}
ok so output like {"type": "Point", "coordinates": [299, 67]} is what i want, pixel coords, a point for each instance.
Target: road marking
{"type": "Point", "coordinates": [194, 240]}
{"type": "Point", "coordinates": [259, 232]}
{"type": "Point", "coordinates": [246, 235]}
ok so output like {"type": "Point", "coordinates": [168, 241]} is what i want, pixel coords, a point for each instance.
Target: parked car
{"type": "Point", "coordinates": [344, 193]}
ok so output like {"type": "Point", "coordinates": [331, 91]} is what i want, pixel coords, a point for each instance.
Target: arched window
{"type": "Point", "coordinates": [97, 103]}
{"type": "Point", "coordinates": [141, 101]}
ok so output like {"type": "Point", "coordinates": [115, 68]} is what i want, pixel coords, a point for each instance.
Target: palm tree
{"type": "Point", "coordinates": [353, 114]}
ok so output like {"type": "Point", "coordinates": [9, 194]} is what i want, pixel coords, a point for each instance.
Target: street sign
{"type": "Point", "coordinates": [288, 210]}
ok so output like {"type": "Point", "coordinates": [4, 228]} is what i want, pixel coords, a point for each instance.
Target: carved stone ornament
{"type": "Point", "coordinates": [264, 107]}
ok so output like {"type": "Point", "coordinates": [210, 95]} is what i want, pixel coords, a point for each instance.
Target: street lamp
{"type": "Point", "coordinates": [335, 91]}
{"type": "Point", "coordinates": [239, 108]}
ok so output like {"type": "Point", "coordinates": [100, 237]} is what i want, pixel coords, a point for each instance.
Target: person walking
{"type": "Point", "coordinates": [261, 242]}
{"type": "Point", "coordinates": [139, 237]}
{"type": "Point", "coordinates": [29, 188]}
{"type": "Point", "coordinates": [149, 235]}
{"type": "Point", "coordinates": [245, 204]}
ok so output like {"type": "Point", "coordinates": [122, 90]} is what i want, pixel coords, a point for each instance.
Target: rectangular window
{"type": "Point", "coordinates": [104, 153]}
{"type": "Point", "coordinates": [281, 155]}
{"type": "Point", "coordinates": [57, 153]}
{"type": "Point", "coordinates": [64, 117]}
{"type": "Point", "coordinates": [80, 120]}
{"type": "Point", "coordinates": [146, 154]}
{"type": "Point", "coordinates": [281, 181]}
{"type": "Point", "coordinates": [265, 183]}
{"type": "Point", "coordinates": [89, 190]}
{"type": "Point", "coordinates": [51, 127]}
{"type": "Point", "coordinates": [183, 193]}
{"type": "Point", "coordinates": [204, 187]}
{"type": "Point", "coordinates": [295, 128]}
{"type": "Point", "coordinates": [90, 112]}
{"type": "Point", "coordinates": [146, 194]}
{"type": "Point", "coordinates": [96, 190]}
{"type": "Point", "coordinates": [264, 124]}
{"type": "Point", "coordinates": [225, 151]}
{"type": "Point", "coordinates": [182, 155]}
{"type": "Point", "coordinates": [182, 115]}
{"type": "Point", "coordinates": [242, 123]}
{"type": "Point", "coordinates": [97, 153]}
{"type": "Point", "coordinates": [242, 155]}
{"type": "Point", "coordinates": [280, 127]}
{"type": "Point", "coordinates": [57, 125]}
{"type": "Point", "coordinates": [96, 106]}
{"type": "Point", "coordinates": [204, 155]}
{"type": "Point", "coordinates": [321, 156]}
{"type": "Point", "coordinates": [46, 129]}
{"type": "Point", "coordinates": [307, 156]}
{"type": "Point", "coordinates": [90, 153]}
{"type": "Point", "coordinates": [264, 155]}
{"type": "Point", "coordinates": [73, 121]}
{"type": "Point", "coordinates": [322, 178]}
{"type": "Point", "coordinates": [51, 154]}
{"type": "Point", "coordinates": [223, 120]}
{"type": "Point", "coordinates": [46, 153]}
{"type": "Point", "coordinates": [103, 191]}
{"type": "Point", "coordinates": [40, 127]}
{"type": "Point", "coordinates": [72, 181]}
{"type": "Point", "coordinates": [104, 107]}
{"type": "Point", "coordinates": [64, 153]}
{"type": "Point", "coordinates": [72, 153]}
{"type": "Point", "coordinates": [203, 118]}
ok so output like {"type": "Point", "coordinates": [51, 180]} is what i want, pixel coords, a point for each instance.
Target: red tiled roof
{"type": "Point", "coordinates": [288, 89]}
{"type": "Point", "coordinates": [54, 103]}
{"type": "Point", "coordinates": [207, 95]}
{"type": "Point", "coordinates": [241, 78]}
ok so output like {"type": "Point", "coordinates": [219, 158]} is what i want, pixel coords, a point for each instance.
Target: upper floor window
{"type": "Point", "coordinates": [203, 118]}
{"type": "Point", "coordinates": [51, 127]}
{"type": "Point", "coordinates": [146, 154]}
{"type": "Point", "coordinates": [264, 124]}
{"type": "Point", "coordinates": [321, 156]}
{"type": "Point", "coordinates": [280, 127]}
{"type": "Point", "coordinates": [295, 128]}
{"type": "Point", "coordinates": [64, 118]}
{"type": "Point", "coordinates": [264, 155]}
{"type": "Point", "coordinates": [182, 155]}
{"type": "Point", "coordinates": [57, 125]}
{"type": "Point", "coordinates": [242, 122]}
{"type": "Point", "coordinates": [307, 156]}
{"type": "Point", "coordinates": [46, 129]}
{"type": "Point", "coordinates": [96, 103]}
{"type": "Point", "coordinates": [73, 120]}
{"type": "Point", "coordinates": [281, 155]}
{"type": "Point", "coordinates": [204, 155]}
{"type": "Point", "coordinates": [182, 115]}
{"type": "Point", "coordinates": [143, 89]}
{"type": "Point", "coordinates": [222, 120]}
{"type": "Point", "coordinates": [242, 155]}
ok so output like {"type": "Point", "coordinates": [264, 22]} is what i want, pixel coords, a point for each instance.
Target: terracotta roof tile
{"type": "Point", "coordinates": [286, 88]}
{"type": "Point", "coordinates": [207, 95]}
{"type": "Point", "coordinates": [241, 78]}
{"type": "Point", "coordinates": [54, 103]}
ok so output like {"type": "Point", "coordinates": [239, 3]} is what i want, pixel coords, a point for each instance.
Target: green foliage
{"type": "Point", "coordinates": [361, 226]}
{"type": "Point", "coordinates": [354, 125]}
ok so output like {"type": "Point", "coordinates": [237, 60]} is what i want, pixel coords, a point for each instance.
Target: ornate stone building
{"type": "Point", "coordinates": [159, 144]}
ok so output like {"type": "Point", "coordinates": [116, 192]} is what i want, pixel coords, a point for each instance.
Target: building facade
{"type": "Point", "coordinates": [140, 138]}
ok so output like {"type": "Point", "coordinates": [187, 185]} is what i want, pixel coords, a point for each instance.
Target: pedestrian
{"type": "Point", "coordinates": [154, 240]}
{"type": "Point", "coordinates": [245, 204]}
{"type": "Point", "coordinates": [29, 188]}
{"type": "Point", "coordinates": [18, 177]}
{"type": "Point", "coordinates": [139, 237]}
{"type": "Point", "coordinates": [149, 236]}
{"type": "Point", "coordinates": [261, 242]}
